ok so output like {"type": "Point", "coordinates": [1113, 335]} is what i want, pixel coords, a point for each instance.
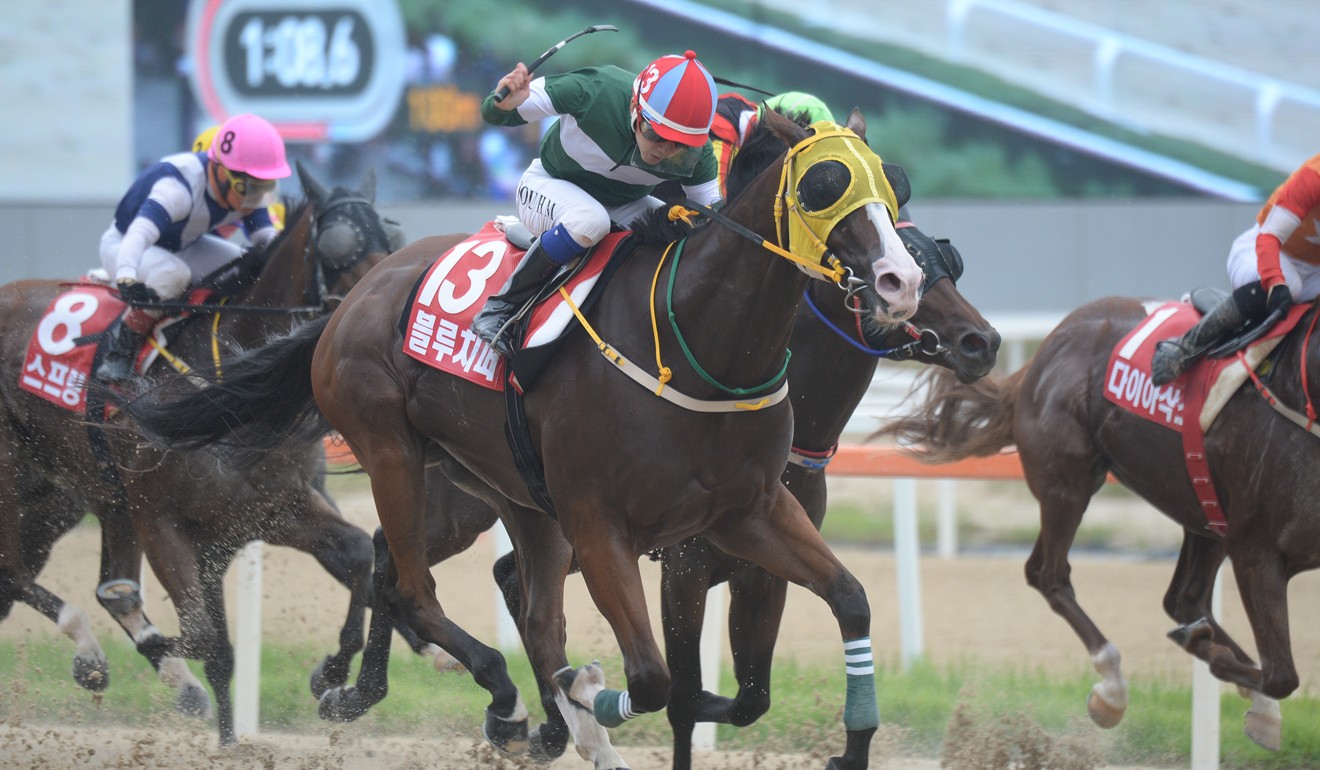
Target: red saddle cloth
{"type": "Point", "coordinates": [59, 355]}
{"type": "Point", "coordinates": [1190, 403]}
{"type": "Point", "coordinates": [437, 327]}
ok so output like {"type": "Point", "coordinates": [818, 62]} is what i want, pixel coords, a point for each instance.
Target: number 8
{"type": "Point", "coordinates": [63, 324]}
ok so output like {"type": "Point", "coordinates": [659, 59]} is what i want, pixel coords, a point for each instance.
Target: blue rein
{"type": "Point", "coordinates": [901, 350]}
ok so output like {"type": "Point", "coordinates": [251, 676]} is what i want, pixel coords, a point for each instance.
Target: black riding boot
{"type": "Point", "coordinates": [526, 280]}
{"type": "Point", "coordinates": [1173, 357]}
{"type": "Point", "coordinates": [121, 349]}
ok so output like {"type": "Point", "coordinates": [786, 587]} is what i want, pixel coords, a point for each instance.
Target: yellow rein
{"type": "Point", "coordinates": [182, 366]}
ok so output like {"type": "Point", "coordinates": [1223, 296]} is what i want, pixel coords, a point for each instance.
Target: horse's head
{"type": "Point", "coordinates": [837, 208]}
{"type": "Point", "coordinates": [348, 236]}
{"type": "Point", "coordinates": [951, 331]}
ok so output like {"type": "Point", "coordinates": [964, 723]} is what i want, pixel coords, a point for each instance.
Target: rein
{"type": "Point", "coordinates": [835, 272]}
{"type": "Point", "coordinates": [1306, 422]}
{"type": "Point", "coordinates": [923, 340]}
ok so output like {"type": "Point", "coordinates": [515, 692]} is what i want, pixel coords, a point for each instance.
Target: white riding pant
{"type": "Point", "coordinates": [170, 273]}
{"type": "Point", "coordinates": [545, 201]}
{"type": "Point", "coordinates": [1303, 279]}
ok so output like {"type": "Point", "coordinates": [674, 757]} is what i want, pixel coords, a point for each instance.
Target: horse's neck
{"type": "Point", "coordinates": [283, 283]}
{"type": "Point", "coordinates": [829, 376]}
{"type": "Point", "coordinates": [735, 302]}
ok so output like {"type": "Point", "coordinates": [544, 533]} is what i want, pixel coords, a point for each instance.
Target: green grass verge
{"type": "Point", "coordinates": [1039, 714]}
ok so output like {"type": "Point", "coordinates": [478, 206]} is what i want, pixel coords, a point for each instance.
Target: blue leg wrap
{"type": "Point", "coordinates": [860, 709]}
{"type": "Point", "coordinates": [612, 707]}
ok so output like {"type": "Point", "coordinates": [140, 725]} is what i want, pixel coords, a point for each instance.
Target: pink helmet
{"type": "Point", "coordinates": [677, 96]}
{"type": "Point", "coordinates": [250, 145]}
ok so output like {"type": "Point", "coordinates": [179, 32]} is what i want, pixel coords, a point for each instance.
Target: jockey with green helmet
{"type": "Point", "coordinates": [736, 117]}
{"type": "Point", "coordinates": [617, 137]}
{"type": "Point", "coordinates": [161, 238]}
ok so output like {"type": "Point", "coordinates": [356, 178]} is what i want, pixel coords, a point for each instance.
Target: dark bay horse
{"type": "Point", "coordinates": [187, 511]}
{"type": "Point", "coordinates": [1069, 436]}
{"type": "Point", "coordinates": [831, 369]}
{"type": "Point", "coordinates": [627, 472]}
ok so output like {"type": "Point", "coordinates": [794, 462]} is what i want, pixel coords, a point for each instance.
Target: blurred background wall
{"type": "Point", "coordinates": [1060, 180]}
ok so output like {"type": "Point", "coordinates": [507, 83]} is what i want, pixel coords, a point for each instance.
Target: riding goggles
{"type": "Point", "coordinates": [681, 162]}
{"type": "Point", "coordinates": [242, 191]}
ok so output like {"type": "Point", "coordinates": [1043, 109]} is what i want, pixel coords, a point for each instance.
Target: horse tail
{"type": "Point", "coordinates": [260, 399]}
{"type": "Point", "coordinates": [957, 420]}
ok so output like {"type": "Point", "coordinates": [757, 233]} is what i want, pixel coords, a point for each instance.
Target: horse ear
{"type": "Point", "coordinates": [313, 189]}
{"type": "Point", "coordinates": [369, 184]}
{"type": "Point", "coordinates": [788, 131]}
{"type": "Point", "coordinates": [856, 123]}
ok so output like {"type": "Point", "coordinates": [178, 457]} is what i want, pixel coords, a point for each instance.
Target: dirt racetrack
{"type": "Point", "coordinates": [976, 609]}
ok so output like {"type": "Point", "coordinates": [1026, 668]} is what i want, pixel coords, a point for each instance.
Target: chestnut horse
{"type": "Point", "coordinates": [1069, 436]}
{"type": "Point", "coordinates": [189, 512]}
{"type": "Point", "coordinates": [626, 471]}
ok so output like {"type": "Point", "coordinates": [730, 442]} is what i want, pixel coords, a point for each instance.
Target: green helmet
{"type": "Point", "coordinates": [793, 103]}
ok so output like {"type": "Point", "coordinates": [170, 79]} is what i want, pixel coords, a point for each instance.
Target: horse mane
{"type": "Point", "coordinates": [654, 226]}
{"type": "Point", "coordinates": [762, 148]}
{"type": "Point", "coordinates": [957, 420]}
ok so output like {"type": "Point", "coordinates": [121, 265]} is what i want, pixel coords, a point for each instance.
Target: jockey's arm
{"type": "Point", "coordinates": [1299, 195]}
{"type": "Point", "coordinates": [142, 233]}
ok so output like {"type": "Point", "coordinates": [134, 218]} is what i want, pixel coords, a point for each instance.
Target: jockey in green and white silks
{"type": "Point", "coordinates": [616, 138]}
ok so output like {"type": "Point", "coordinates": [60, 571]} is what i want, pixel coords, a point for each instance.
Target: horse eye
{"type": "Point", "coordinates": [823, 185]}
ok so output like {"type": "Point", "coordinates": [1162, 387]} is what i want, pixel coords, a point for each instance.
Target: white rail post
{"type": "Point", "coordinates": [247, 647]}
{"type": "Point", "coordinates": [909, 583]}
{"type": "Point", "coordinates": [506, 628]}
{"type": "Point", "coordinates": [1205, 699]}
{"type": "Point", "coordinates": [947, 511]}
{"type": "Point", "coordinates": [712, 641]}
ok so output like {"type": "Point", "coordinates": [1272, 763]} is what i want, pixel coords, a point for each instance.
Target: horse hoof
{"type": "Point", "coordinates": [340, 704]}
{"type": "Point", "coordinates": [508, 736]}
{"type": "Point", "coordinates": [1102, 712]}
{"type": "Point", "coordinates": [544, 749]}
{"type": "Point", "coordinates": [1265, 729]}
{"type": "Point", "coordinates": [327, 675]}
{"type": "Point", "coordinates": [192, 701]}
{"type": "Point", "coordinates": [91, 674]}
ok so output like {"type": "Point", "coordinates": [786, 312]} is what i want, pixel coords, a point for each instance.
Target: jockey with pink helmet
{"type": "Point", "coordinates": [161, 239]}
{"type": "Point", "coordinates": [617, 137]}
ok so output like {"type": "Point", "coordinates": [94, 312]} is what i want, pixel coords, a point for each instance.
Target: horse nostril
{"type": "Point", "coordinates": [888, 283]}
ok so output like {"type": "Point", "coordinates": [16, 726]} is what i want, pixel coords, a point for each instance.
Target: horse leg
{"type": "Point", "coordinates": [342, 703]}
{"type": "Point", "coordinates": [537, 569]}
{"type": "Point", "coordinates": [345, 552]}
{"type": "Point", "coordinates": [396, 467]}
{"type": "Point", "coordinates": [218, 654]}
{"type": "Point", "coordinates": [90, 669]}
{"type": "Point", "coordinates": [176, 565]}
{"type": "Point", "coordinates": [1062, 505]}
{"type": "Point", "coordinates": [29, 541]}
{"type": "Point", "coordinates": [683, 587]}
{"type": "Point", "coordinates": [784, 542]}
{"type": "Point", "coordinates": [756, 607]}
{"type": "Point", "coordinates": [574, 699]}
{"type": "Point", "coordinates": [1188, 602]}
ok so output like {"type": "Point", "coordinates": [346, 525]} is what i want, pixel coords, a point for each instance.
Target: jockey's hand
{"type": "Point", "coordinates": [135, 293]}
{"type": "Point", "coordinates": [1280, 297]}
{"type": "Point", "coordinates": [519, 84]}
